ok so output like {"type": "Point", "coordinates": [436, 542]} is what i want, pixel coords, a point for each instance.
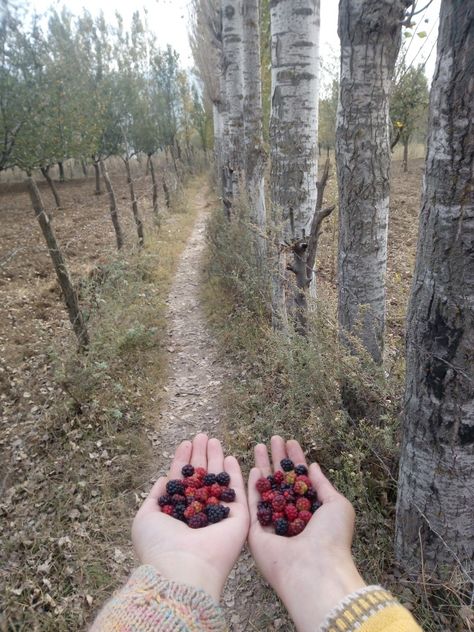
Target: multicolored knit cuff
{"type": "Point", "coordinates": [149, 602]}
{"type": "Point", "coordinates": [371, 609]}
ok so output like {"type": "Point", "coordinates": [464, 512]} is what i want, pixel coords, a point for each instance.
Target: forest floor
{"type": "Point", "coordinates": [82, 444]}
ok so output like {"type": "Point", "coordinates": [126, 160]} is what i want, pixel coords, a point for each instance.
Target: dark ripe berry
{"type": "Point", "coordinates": [174, 487]}
{"type": "Point", "coordinates": [164, 500]}
{"type": "Point", "coordinates": [263, 485]}
{"type": "Point", "coordinates": [228, 495]}
{"type": "Point", "coordinates": [215, 513]}
{"type": "Point", "coordinates": [179, 511]}
{"type": "Point", "coordinates": [287, 465]}
{"type": "Point", "coordinates": [262, 505]}
{"type": "Point", "coordinates": [187, 470]}
{"type": "Point", "coordinates": [278, 503]}
{"type": "Point", "coordinates": [209, 479]}
{"type": "Point", "coordinates": [198, 521]}
{"type": "Point", "coordinates": [225, 512]}
{"type": "Point", "coordinates": [223, 479]}
{"type": "Point", "coordinates": [301, 469]}
{"type": "Point", "coordinates": [281, 526]}
{"type": "Point", "coordinates": [264, 516]}
{"type": "Point", "coordinates": [311, 494]}
{"type": "Point", "coordinates": [295, 527]}
{"type": "Point", "coordinates": [177, 498]}
{"type": "Point", "coordinates": [315, 506]}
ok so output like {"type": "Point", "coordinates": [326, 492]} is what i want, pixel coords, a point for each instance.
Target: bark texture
{"type": "Point", "coordinates": [98, 189]}
{"type": "Point", "coordinates": [135, 211]}
{"type": "Point", "coordinates": [293, 132]}
{"type": "Point", "coordinates": [254, 153]}
{"type": "Point", "coordinates": [67, 288]}
{"type": "Point", "coordinates": [435, 509]}
{"type": "Point", "coordinates": [52, 186]}
{"type": "Point", "coordinates": [156, 211]}
{"type": "Point", "coordinates": [232, 47]}
{"type": "Point", "coordinates": [113, 206]}
{"type": "Point", "coordinates": [370, 34]}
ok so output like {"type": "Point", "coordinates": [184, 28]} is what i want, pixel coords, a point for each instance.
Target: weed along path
{"type": "Point", "coordinates": [194, 405]}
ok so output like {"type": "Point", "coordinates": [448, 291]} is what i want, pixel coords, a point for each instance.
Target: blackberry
{"type": "Point", "coordinates": [281, 526]}
{"type": "Point", "coordinates": [214, 513]}
{"type": "Point", "coordinates": [164, 500]}
{"type": "Point", "coordinates": [223, 479]}
{"type": "Point", "coordinates": [179, 510]}
{"type": "Point", "coordinates": [287, 465]}
{"type": "Point", "coordinates": [264, 516]}
{"type": "Point", "coordinates": [177, 498]}
{"type": "Point", "coordinates": [228, 495]}
{"type": "Point", "coordinates": [315, 506]}
{"type": "Point", "coordinates": [311, 494]}
{"type": "Point", "coordinates": [301, 470]}
{"type": "Point", "coordinates": [175, 487]}
{"type": "Point", "coordinates": [187, 470]}
{"type": "Point", "coordinates": [262, 505]}
{"type": "Point", "coordinates": [225, 512]}
{"type": "Point", "coordinates": [198, 521]}
{"type": "Point", "coordinates": [209, 479]}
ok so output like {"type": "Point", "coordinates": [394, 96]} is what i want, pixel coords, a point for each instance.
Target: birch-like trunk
{"type": "Point", "coordinates": [293, 133]}
{"type": "Point", "coordinates": [62, 274]}
{"type": "Point", "coordinates": [112, 206]}
{"type": "Point", "coordinates": [435, 508]}
{"type": "Point", "coordinates": [370, 34]}
{"type": "Point", "coordinates": [254, 153]}
{"type": "Point", "coordinates": [232, 48]}
{"type": "Point", "coordinates": [135, 211]}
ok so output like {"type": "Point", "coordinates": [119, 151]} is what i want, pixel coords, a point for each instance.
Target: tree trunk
{"type": "Point", "coordinates": [405, 155]}
{"type": "Point", "coordinates": [435, 507]}
{"type": "Point", "coordinates": [156, 213]}
{"type": "Point", "coordinates": [61, 171]}
{"type": "Point", "coordinates": [98, 190]}
{"type": "Point", "coordinates": [232, 38]}
{"type": "Point", "coordinates": [293, 134]}
{"type": "Point", "coordinates": [112, 205]}
{"type": "Point", "coordinates": [52, 186]}
{"type": "Point", "coordinates": [65, 282]}
{"type": "Point", "coordinates": [370, 34]}
{"type": "Point", "coordinates": [147, 165]}
{"type": "Point", "coordinates": [84, 168]}
{"type": "Point", "coordinates": [166, 191]}
{"type": "Point", "coordinates": [254, 154]}
{"type": "Point", "coordinates": [133, 197]}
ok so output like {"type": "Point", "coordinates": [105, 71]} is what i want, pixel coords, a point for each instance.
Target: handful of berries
{"type": "Point", "coordinates": [196, 499]}
{"type": "Point", "coordinates": [288, 500]}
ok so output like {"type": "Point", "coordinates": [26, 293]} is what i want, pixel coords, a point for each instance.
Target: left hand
{"type": "Point", "coordinates": [199, 557]}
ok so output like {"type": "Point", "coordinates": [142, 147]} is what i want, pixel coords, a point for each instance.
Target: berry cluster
{"type": "Point", "coordinates": [196, 499]}
{"type": "Point", "coordinates": [288, 499]}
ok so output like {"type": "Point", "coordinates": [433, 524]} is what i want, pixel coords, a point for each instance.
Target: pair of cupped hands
{"type": "Point", "coordinates": [310, 572]}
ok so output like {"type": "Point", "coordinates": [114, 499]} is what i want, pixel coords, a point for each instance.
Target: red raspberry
{"type": "Point", "coordinates": [197, 506]}
{"type": "Point", "coordinates": [215, 490]}
{"type": "Point", "coordinates": [277, 515]}
{"type": "Point", "coordinates": [202, 494]}
{"type": "Point", "coordinates": [189, 512]}
{"type": "Point", "coordinates": [193, 481]}
{"type": "Point", "coordinates": [279, 503]}
{"type": "Point", "coordinates": [212, 500]}
{"type": "Point", "coordinates": [290, 478]}
{"type": "Point", "coordinates": [291, 512]}
{"type": "Point", "coordinates": [263, 485]}
{"type": "Point", "coordinates": [167, 509]}
{"type": "Point", "coordinates": [268, 496]}
{"type": "Point", "coordinates": [279, 477]}
{"type": "Point", "coordinates": [200, 472]}
{"type": "Point", "coordinates": [305, 516]}
{"type": "Point", "coordinates": [303, 504]}
{"type": "Point", "coordinates": [305, 479]}
{"type": "Point", "coordinates": [300, 488]}
{"type": "Point", "coordinates": [296, 527]}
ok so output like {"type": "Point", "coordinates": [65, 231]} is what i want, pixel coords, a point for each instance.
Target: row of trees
{"type": "Point", "coordinates": [436, 475]}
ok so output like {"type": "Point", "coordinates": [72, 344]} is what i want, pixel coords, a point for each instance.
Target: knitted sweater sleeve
{"type": "Point", "coordinates": [371, 609]}
{"type": "Point", "coordinates": [150, 603]}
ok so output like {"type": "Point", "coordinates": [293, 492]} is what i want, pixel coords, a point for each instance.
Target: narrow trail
{"type": "Point", "coordinates": [194, 405]}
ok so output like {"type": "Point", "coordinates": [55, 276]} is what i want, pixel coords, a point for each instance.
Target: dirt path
{"type": "Point", "coordinates": [194, 392]}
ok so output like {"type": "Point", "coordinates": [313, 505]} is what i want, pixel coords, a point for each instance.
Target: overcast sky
{"type": "Point", "coordinates": [169, 19]}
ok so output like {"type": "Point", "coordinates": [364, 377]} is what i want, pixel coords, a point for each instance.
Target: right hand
{"type": "Point", "coordinates": [313, 571]}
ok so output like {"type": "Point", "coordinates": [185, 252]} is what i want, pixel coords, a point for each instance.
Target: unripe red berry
{"type": "Point", "coordinates": [212, 500]}
{"type": "Point", "coordinates": [290, 478]}
{"type": "Point", "coordinates": [263, 485]}
{"type": "Point", "coordinates": [303, 504]}
{"type": "Point", "coordinates": [268, 496]}
{"type": "Point", "coordinates": [167, 509]}
{"type": "Point", "coordinates": [201, 494]}
{"type": "Point", "coordinates": [189, 512]}
{"type": "Point", "coordinates": [296, 526]}
{"type": "Point", "coordinates": [279, 503]}
{"type": "Point", "coordinates": [200, 472]}
{"type": "Point", "coordinates": [277, 515]}
{"type": "Point", "coordinates": [291, 512]}
{"type": "Point", "coordinates": [305, 516]}
{"type": "Point", "coordinates": [305, 479]}
{"type": "Point", "coordinates": [279, 477]}
{"type": "Point", "coordinates": [300, 488]}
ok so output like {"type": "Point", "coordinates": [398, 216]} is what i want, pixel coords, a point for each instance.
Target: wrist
{"type": "Point", "coordinates": [310, 593]}
{"type": "Point", "coordinates": [187, 569]}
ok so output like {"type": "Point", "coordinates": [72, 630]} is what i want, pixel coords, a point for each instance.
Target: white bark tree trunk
{"type": "Point", "coordinates": [435, 508]}
{"type": "Point", "coordinates": [232, 46]}
{"type": "Point", "coordinates": [370, 34]}
{"type": "Point", "coordinates": [293, 132]}
{"type": "Point", "coordinates": [254, 153]}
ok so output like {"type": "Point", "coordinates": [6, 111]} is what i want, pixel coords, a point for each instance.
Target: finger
{"type": "Point", "coordinates": [261, 460]}
{"type": "Point", "coordinates": [181, 457]}
{"type": "Point", "coordinates": [215, 456]}
{"type": "Point", "coordinates": [199, 453]}
{"type": "Point", "coordinates": [321, 484]}
{"type": "Point", "coordinates": [295, 452]}
{"type": "Point", "coordinates": [253, 495]}
{"type": "Point", "coordinates": [278, 451]}
{"type": "Point", "coordinates": [151, 501]}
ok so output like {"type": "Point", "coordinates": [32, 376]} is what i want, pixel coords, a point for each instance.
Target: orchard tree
{"type": "Point", "coordinates": [434, 531]}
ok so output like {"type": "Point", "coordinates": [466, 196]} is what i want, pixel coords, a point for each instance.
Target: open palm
{"type": "Point", "coordinates": [199, 557]}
